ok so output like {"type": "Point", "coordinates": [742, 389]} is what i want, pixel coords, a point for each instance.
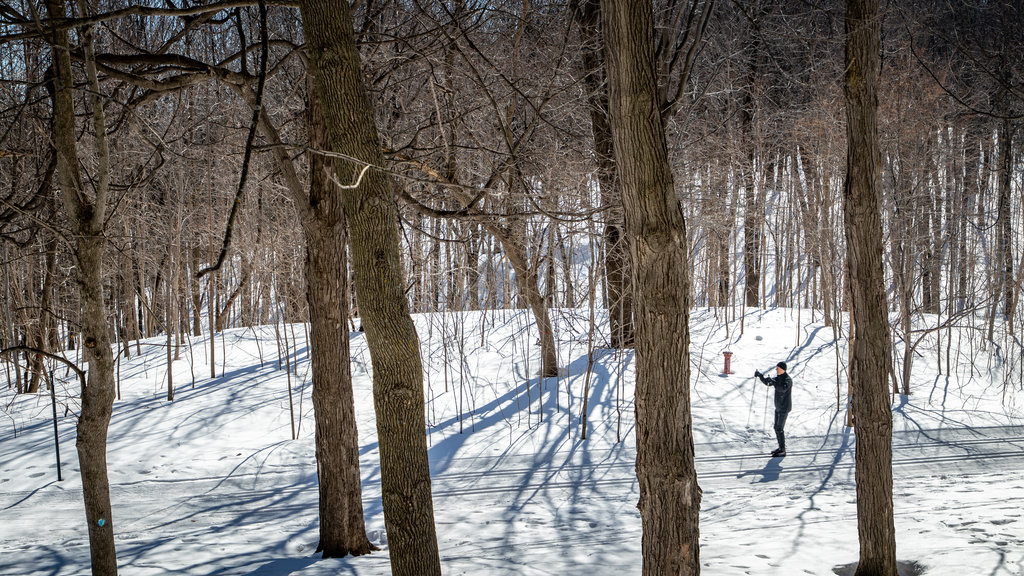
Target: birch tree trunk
{"type": "Point", "coordinates": [656, 231]}
{"type": "Point", "coordinates": [390, 333]}
{"type": "Point", "coordinates": [871, 345]}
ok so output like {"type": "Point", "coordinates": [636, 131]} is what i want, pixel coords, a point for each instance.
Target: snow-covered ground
{"type": "Point", "coordinates": [212, 483]}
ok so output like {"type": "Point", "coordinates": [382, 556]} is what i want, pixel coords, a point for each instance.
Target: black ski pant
{"type": "Point", "coordinates": [780, 425]}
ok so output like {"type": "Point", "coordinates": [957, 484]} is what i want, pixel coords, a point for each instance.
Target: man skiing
{"type": "Point", "coordinates": [783, 403]}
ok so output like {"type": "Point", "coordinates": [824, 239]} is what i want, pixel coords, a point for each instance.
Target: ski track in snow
{"type": "Point", "coordinates": [195, 511]}
{"type": "Point", "coordinates": [211, 484]}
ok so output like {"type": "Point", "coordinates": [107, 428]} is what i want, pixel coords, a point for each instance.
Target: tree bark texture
{"type": "Point", "coordinates": [391, 335]}
{"type": "Point", "coordinates": [87, 215]}
{"type": "Point", "coordinates": [97, 405]}
{"type": "Point", "coordinates": [871, 345]}
{"type": "Point", "coordinates": [342, 528]}
{"type": "Point", "coordinates": [321, 214]}
{"type": "Point", "coordinates": [656, 230]}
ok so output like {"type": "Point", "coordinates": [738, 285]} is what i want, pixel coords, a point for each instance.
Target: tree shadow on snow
{"type": "Point", "coordinates": [279, 567]}
{"type": "Point", "coordinates": [902, 568]}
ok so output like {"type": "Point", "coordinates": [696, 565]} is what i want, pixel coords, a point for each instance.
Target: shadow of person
{"type": "Point", "coordinates": [769, 473]}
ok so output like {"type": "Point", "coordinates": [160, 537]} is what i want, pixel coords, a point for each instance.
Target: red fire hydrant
{"type": "Point", "coordinates": [728, 360]}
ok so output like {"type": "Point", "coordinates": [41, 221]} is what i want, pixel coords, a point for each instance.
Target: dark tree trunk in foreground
{"type": "Point", "coordinates": [616, 261]}
{"type": "Point", "coordinates": [342, 529]}
{"type": "Point", "coordinates": [87, 214]}
{"type": "Point", "coordinates": [871, 346]}
{"type": "Point", "coordinates": [390, 333]}
{"type": "Point", "coordinates": [669, 494]}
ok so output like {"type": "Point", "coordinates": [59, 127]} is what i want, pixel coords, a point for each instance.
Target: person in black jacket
{"type": "Point", "coordinates": [783, 402]}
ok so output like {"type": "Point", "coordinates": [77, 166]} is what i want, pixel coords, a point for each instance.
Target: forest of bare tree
{"type": "Point", "coordinates": [179, 168]}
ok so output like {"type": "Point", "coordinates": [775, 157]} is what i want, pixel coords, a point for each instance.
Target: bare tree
{"type": "Point", "coordinates": [342, 529]}
{"type": "Point", "coordinates": [390, 333]}
{"type": "Point", "coordinates": [87, 212]}
{"type": "Point", "coordinates": [620, 295]}
{"type": "Point", "coordinates": [871, 346]}
{"type": "Point", "coordinates": [497, 84]}
{"type": "Point", "coordinates": [656, 231]}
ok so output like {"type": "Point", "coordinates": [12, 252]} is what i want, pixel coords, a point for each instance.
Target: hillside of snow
{"type": "Point", "coordinates": [213, 483]}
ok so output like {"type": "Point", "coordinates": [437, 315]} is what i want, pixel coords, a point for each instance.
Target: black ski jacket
{"type": "Point", "coordinates": [783, 387]}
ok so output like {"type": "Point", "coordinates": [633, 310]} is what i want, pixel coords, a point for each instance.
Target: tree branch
{"type": "Point", "coordinates": [254, 123]}
{"type": "Point", "coordinates": [61, 359]}
{"type": "Point", "coordinates": [58, 24]}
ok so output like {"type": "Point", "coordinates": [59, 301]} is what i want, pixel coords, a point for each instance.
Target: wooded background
{"type": "Point", "coordinates": [486, 116]}
{"type": "Point", "coordinates": [176, 170]}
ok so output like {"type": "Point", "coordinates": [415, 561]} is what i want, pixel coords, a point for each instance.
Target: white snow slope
{"type": "Point", "coordinates": [213, 484]}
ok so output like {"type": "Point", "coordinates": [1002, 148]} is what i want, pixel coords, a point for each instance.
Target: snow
{"type": "Point", "coordinates": [212, 483]}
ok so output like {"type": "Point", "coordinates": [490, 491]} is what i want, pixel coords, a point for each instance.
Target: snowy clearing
{"type": "Point", "coordinates": [212, 483]}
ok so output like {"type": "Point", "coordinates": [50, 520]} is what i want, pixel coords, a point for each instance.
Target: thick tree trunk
{"type": "Point", "coordinates": [97, 404]}
{"type": "Point", "coordinates": [753, 211]}
{"type": "Point", "coordinates": [342, 530]}
{"type": "Point", "coordinates": [87, 213]}
{"type": "Point", "coordinates": [616, 263]}
{"type": "Point", "coordinates": [753, 204]}
{"type": "Point", "coordinates": [669, 495]}
{"type": "Point", "coordinates": [391, 335]}
{"type": "Point", "coordinates": [871, 346]}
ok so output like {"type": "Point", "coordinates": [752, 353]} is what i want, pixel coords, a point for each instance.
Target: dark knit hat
{"type": "Point", "coordinates": [781, 365]}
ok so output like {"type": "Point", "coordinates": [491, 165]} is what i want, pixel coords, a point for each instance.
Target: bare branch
{"type": "Point", "coordinates": [74, 367]}
{"type": "Point", "coordinates": [58, 24]}
{"type": "Point", "coordinates": [254, 123]}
